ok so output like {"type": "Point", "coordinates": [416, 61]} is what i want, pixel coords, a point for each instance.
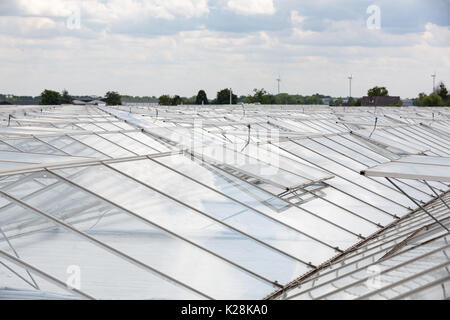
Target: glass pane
{"type": "Point", "coordinates": [34, 146]}
{"type": "Point", "coordinates": [266, 203]}
{"type": "Point", "coordinates": [216, 205]}
{"type": "Point", "coordinates": [129, 143]}
{"type": "Point", "coordinates": [56, 251]}
{"type": "Point", "coordinates": [90, 127]}
{"type": "Point", "coordinates": [352, 143]}
{"type": "Point", "coordinates": [350, 187]}
{"type": "Point", "coordinates": [273, 178]}
{"type": "Point", "coordinates": [104, 146]}
{"type": "Point", "coordinates": [107, 126]}
{"type": "Point", "coordinates": [189, 224]}
{"type": "Point", "coordinates": [412, 171]}
{"type": "Point", "coordinates": [148, 141]}
{"type": "Point", "coordinates": [72, 147]}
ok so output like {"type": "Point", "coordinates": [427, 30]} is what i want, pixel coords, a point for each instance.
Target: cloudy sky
{"type": "Point", "coordinates": [152, 47]}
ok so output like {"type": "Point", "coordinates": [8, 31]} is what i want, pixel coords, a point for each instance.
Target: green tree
{"type": "Point", "coordinates": [50, 97]}
{"type": "Point", "coordinates": [357, 102]}
{"type": "Point", "coordinates": [66, 98]}
{"type": "Point", "coordinates": [418, 101]}
{"type": "Point", "coordinates": [338, 102]}
{"type": "Point", "coordinates": [377, 92]}
{"type": "Point", "coordinates": [201, 98]}
{"type": "Point", "coordinates": [165, 100]}
{"type": "Point", "coordinates": [176, 100]}
{"type": "Point", "coordinates": [258, 95]}
{"type": "Point", "coordinates": [223, 97]}
{"type": "Point", "coordinates": [190, 100]}
{"type": "Point", "coordinates": [113, 98]}
{"type": "Point", "coordinates": [442, 91]}
{"type": "Point", "coordinates": [261, 96]}
{"type": "Point", "coordinates": [432, 100]}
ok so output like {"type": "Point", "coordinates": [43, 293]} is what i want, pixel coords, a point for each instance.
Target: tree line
{"type": "Point", "coordinates": [50, 97]}
{"type": "Point", "coordinates": [439, 97]}
{"type": "Point", "coordinates": [226, 96]}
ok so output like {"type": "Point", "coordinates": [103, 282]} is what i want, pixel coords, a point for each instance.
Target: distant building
{"type": "Point", "coordinates": [408, 102]}
{"type": "Point", "coordinates": [379, 101]}
{"type": "Point", "coordinates": [88, 101]}
{"type": "Point", "coordinates": [326, 101]}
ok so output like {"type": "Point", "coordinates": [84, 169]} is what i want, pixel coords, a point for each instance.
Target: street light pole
{"type": "Point", "coordinates": [434, 81]}
{"type": "Point", "coordinates": [350, 87]}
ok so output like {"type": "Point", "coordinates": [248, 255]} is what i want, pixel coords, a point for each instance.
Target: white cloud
{"type": "Point", "coordinates": [116, 9]}
{"type": "Point", "coordinates": [250, 7]}
{"type": "Point", "coordinates": [351, 33]}
{"type": "Point", "coordinates": [296, 19]}
{"type": "Point", "coordinates": [436, 35]}
{"type": "Point", "coordinates": [124, 45]}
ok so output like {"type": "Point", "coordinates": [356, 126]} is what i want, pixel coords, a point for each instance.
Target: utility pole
{"type": "Point", "coordinates": [350, 87]}
{"type": "Point", "coordinates": [434, 81]}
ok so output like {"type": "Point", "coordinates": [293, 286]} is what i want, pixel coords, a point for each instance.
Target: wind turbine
{"type": "Point", "coordinates": [278, 80]}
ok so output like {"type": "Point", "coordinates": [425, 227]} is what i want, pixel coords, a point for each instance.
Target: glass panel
{"type": "Point", "coordinates": [58, 251]}
{"type": "Point", "coordinates": [266, 203]}
{"type": "Point", "coordinates": [350, 142]}
{"type": "Point", "coordinates": [388, 151]}
{"type": "Point", "coordinates": [346, 160]}
{"type": "Point", "coordinates": [394, 141]}
{"type": "Point", "coordinates": [368, 197]}
{"type": "Point", "coordinates": [145, 139]}
{"type": "Point", "coordinates": [128, 143]}
{"type": "Point", "coordinates": [90, 127]}
{"type": "Point", "coordinates": [417, 140]}
{"type": "Point", "coordinates": [16, 283]}
{"type": "Point", "coordinates": [357, 206]}
{"type": "Point", "coordinates": [123, 126]}
{"type": "Point", "coordinates": [187, 223]}
{"type": "Point", "coordinates": [352, 176]}
{"type": "Point", "coordinates": [395, 275]}
{"type": "Point", "coordinates": [278, 158]}
{"type": "Point", "coordinates": [33, 145]}
{"type": "Point", "coordinates": [413, 170]}
{"type": "Point", "coordinates": [360, 271]}
{"type": "Point", "coordinates": [68, 126]}
{"type": "Point", "coordinates": [5, 147]}
{"type": "Point", "coordinates": [439, 291]}
{"type": "Point", "coordinates": [429, 135]}
{"type": "Point", "coordinates": [330, 153]}
{"type": "Point", "coordinates": [442, 161]}
{"type": "Point", "coordinates": [30, 158]}
{"type": "Point", "coordinates": [339, 216]}
{"type": "Point", "coordinates": [72, 147]}
{"type": "Point", "coordinates": [348, 152]}
{"type": "Point", "coordinates": [274, 176]}
{"type": "Point", "coordinates": [107, 126]}
{"type": "Point", "coordinates": [218, 206]}
{"type": "Point", "coordinates": [106, 147]}
{"type": "Point", "coordinates": [143, 241]}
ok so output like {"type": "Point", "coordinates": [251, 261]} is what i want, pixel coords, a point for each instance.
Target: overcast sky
{"type": "Point", "coordinates": [153, 47]}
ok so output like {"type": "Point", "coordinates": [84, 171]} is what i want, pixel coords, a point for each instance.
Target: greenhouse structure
{"type": "Point", "coordinates": [224, 202]}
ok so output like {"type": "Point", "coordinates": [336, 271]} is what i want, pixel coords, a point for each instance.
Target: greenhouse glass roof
{"type": "Point", "coordinates": [224, 202]}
